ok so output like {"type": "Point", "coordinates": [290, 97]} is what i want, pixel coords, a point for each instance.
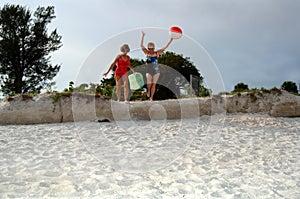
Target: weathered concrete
{"type": "Point", "coordinates": [48, 108]}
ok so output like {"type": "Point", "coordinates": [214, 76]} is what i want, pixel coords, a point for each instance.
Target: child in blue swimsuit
{"type": "Point", "coordinates": [152, 69]}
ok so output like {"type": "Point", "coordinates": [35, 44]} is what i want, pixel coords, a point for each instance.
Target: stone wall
{"type": "Point", "coordinates": [48, 108]}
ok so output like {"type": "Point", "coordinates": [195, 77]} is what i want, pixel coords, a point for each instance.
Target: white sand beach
{"type": "Point", "coordinates": [235, 156]}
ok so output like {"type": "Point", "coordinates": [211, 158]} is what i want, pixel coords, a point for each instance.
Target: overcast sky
{"type": "Point", "coordinates": [252, 41]}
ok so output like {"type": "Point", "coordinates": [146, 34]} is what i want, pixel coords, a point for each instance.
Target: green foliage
{"type": "Point", "coordinates": [240, 87]}
{"type": "Point", "coordinates": [71, 88]}
{"type": "Point", "coordinates": [290, 87]}
{"type": "Point", "coordinates": [171, 83]}
{"type": "Point", "coordinates": [138, 95]}
{"type": "Point", "coordinates": [204, 92]}
{"type": "Point", "coordinates": [275, 90]}
{"type": "Point", "coordinates": [107, 86]}
{"type": "Point", "coordinates": [25, 48]}
{"type": "Point", "coordinates": [265, 90]}
{"type": "Point", "coordinates": [56, 96]}
{"type": "Point", "coordinates": [137, 63]}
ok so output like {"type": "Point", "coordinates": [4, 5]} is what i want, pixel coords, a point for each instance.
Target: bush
{"type": "Point", "coordinates": [204, 92]}
{"type": "Point", "coordinates": [240, 87]}
{"type": "Point", "coordinates": [289, 86]}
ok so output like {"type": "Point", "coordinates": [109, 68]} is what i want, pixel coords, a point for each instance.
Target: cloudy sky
{"type": "Point", "coordinates": [252, 41]}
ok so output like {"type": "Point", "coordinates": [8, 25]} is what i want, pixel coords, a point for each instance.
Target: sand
{"type": "Point", "coordinates": [237, 156]}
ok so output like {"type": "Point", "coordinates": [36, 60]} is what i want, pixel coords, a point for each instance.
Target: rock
{"type": "Point", "coordinates": [38, 109]}
{"type": "Point", "coordinates": [103, 120]}
{"type": "Point", "coordinates": [286, 109]}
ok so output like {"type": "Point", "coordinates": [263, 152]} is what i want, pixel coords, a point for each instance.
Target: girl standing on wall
{"type": "Point", "coordinates": [152, 70]}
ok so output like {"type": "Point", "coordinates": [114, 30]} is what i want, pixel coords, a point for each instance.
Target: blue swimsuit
{"type": "Point", "coordinates": [152, 65]}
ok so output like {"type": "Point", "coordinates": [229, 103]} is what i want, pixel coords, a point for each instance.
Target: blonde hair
{"type": "Point", "coordinates": [125, 48]}
{"type": "Point", "coordinates": [151, 44]}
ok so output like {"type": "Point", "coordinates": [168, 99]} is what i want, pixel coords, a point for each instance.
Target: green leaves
{"type": "Point", "coordinates": [170, 83]}
{"type": "Point", "coordinates": [241, 87]}
{"type": "Point", "coordinates": [290, 87]}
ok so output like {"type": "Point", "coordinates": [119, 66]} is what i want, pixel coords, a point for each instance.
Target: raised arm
{"type": "Point", "coordinates": [165, 47]}
{"type": "Point", "coordinates": [112, 65]}
{"type": "Point", "coordinates": [142, 44]}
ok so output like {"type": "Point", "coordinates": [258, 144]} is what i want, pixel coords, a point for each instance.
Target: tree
{"type": "Point", "coordinates": [240, 87]}
{"type": "Point", "coordinates": [25, 46]}
{"type": "Point", "coordinates": [289, 86]}
{"type": "Point", "coordinates": [171, 83]}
